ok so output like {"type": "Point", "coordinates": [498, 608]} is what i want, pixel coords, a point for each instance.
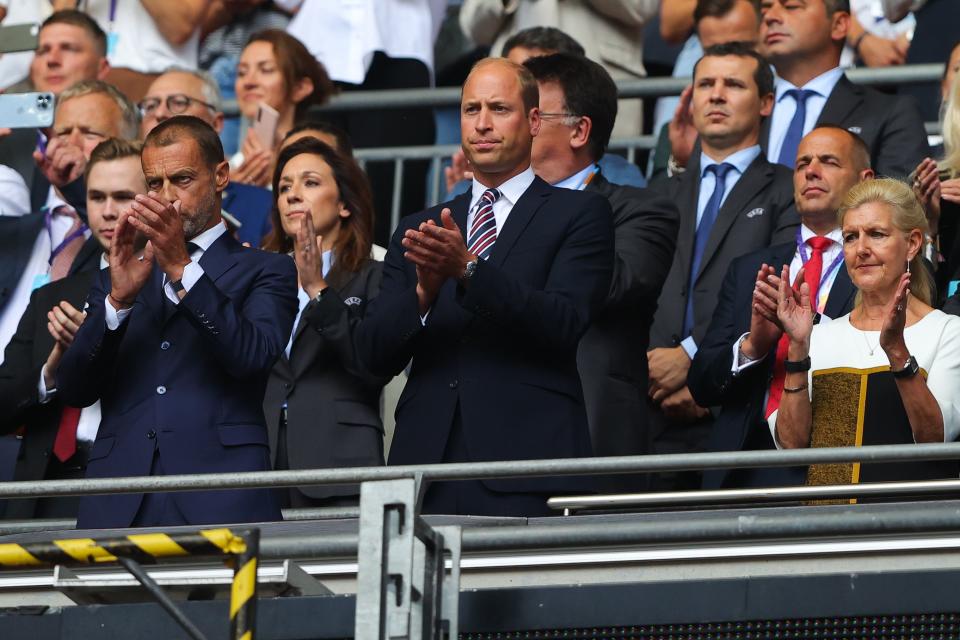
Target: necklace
{"type": "Point", "coordinates": [873, 348]}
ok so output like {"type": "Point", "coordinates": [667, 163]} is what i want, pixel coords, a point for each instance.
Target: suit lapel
{"type": "Point", "coordinates": [844, 100]}
{"type": "Point", "coordinates": [753, 181]}
{"type": "Point", "coordinates": [689, 184]}
{"type": "Point", "coordinates": [459, 208]}
{"type": "Point", "coordinates": [521, 214]}
{"type": "Point", "coordinates": [219, 258]}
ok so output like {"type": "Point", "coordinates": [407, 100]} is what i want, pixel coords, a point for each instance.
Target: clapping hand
{"type": "Point", "coordinates": [159, 220]}
{"type": "Point", "coordinates": [895, 319]}
{"type": "Point", "coordinates": [63, 322]}
{"type": "Point", "coordinates": [795, 315]}
{"type": "Point", "coordinates": [128, 271]}
{"type": "Point", "coordinates": [681, 131]}
{"type": "Point", "coordinates": [308, 254]}
{"type": "Point", "coordinates": [62, 163]}
{"type": "Point", "coordinates": [926, 186]}
{"type": "Point", "coordinates": [765, 327]}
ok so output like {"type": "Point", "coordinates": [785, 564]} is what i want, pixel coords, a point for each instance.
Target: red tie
{"type": "Point", "coordinates": [811, 275]}
{"type": "Point", "coordinates": [65, 444]}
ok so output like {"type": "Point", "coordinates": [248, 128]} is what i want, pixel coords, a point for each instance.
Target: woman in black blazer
{"type": "Point", "coordinates": [321, 405]}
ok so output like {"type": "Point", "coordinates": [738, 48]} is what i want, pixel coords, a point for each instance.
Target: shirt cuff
{"type": "Point", "coordinates": [114, 317]}
{"type": "Point", "coordinates": [690, 346]}
{"type": "Point", "coordinates": [43, 393]}
{"type": "Point", "coordinates": [741, 362]}
{"type": "Point", "coordinates": [191, 273]}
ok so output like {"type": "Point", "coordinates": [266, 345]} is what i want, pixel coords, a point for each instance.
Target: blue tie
{"type": "Point", "coordinates": [707, 220]}
{"type": "Point", "coordinates": [791, 141]}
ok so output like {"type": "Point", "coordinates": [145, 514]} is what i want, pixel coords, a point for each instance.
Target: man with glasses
{"type": "Point", "coordinates": [181, 92]}
{"type": "Point", "coordinates": [578, 105]}
{"type": "Point", "coordinates": [52, 242]}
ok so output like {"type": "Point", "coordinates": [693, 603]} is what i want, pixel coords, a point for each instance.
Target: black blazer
{"type": "Point", "coordinates": [891, 126]}
{"type": "Point", "coordinates": [612, 355]}
{"type": "Point", "coordinates": [500, 353]}
{"type": "Point", "coordinates": [757, 212]}
{"type": "Point", "coordinates": [741, 425]}
{"type": "Point", "coordinates": [20, 405]}
{"type": "Point", "coordinates": [333, 410]}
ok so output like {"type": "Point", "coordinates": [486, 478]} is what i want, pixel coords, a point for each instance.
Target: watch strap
{"type": "Point", "coordinates": [797, 366]}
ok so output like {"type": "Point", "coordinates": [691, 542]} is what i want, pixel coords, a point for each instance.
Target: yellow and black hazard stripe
{"type": "Point", "coordinates": [243, 593]}
{"type": "Point", "coordinates": [145, 548]}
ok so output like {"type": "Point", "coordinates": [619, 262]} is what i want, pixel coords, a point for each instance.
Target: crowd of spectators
{"type": "Point", "coordinates": [200, 277]}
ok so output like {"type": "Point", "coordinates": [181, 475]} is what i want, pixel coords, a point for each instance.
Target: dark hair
{"type": "Point", "coordinates": [543, 38]}
{"type": "Point", "coordinates": [588, 90]}
{"type": "Point", "coordinates": [833, 6]}
{"type": "Point", "coordinates": [112, 149]}
{"type": "Point", "coordinates": [179, 128]}
{"type": "Point", "coordinates": [344, 144]}
{"type": "Point", "coordinates": [861, 154]}
{"type": "Point", "coordinates": [80, 19]}
{"type": "Point", "coordinates": [762, 75]}
{"type": "Point", "coordinates": [296, 63]}
{"type": "Point", "coordinates": [719, 8]}
{"type": "Point", "coordinates": [355, 240]}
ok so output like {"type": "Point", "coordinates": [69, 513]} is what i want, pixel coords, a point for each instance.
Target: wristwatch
{"type": "Point", "coordinates": [910, 369]}
{"type": "Point", "coordinates": [469, 270]}
{"type": "Point", "coordinates": [797, 366]}
{"type": "Point", "coordinates": [177, 286]}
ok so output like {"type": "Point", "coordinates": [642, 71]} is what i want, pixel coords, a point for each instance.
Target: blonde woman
{"type": "Point", "coordinates": [889, 371]}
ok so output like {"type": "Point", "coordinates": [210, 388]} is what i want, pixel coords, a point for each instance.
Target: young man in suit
{"type": "Point", "coordinates": [803, 41]}
{"type": "Point", "coordinates": [578, 104]}
{"type": "Point", "coordinates": [178, 342]}
{"type": "Point", "coordinates": [56, 439]}
{"type": "Point", "coordinates": [489, 294]}
{"type": "Point", "coordinates": [731, 201]}
{"type": "Point", "coordinates": [739, 367]}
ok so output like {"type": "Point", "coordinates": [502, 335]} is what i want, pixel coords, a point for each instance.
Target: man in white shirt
{"type": "Point", "coordinates": [803, 41]}
{"type": "Point", "coordinates": [56, 439]}
{"type": "Point", "coordinates": [739, 365]}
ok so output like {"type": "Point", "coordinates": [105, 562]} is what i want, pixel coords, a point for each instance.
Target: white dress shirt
{"type": "Point", "coordinates": [344, 34]}
{"type": "Point", "coordinates": [785, 107]}
{"type": "Point", "coordinates": [303, 299]}
{"type": "Point", "coordinates": [579, 180]}
{"type": "Point", "coordinates": [191, 274]}
{"type": "Point", "coordinates": [510, 192]}
{"type": "Point", "coordinates": [833, 252]}
{"type": "Point", "coordinates": [14, 194]}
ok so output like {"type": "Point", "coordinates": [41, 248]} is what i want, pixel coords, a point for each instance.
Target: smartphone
{"type": "Point", "coordinates": [265, 125]}
{"type": "Point", "coordinates": [19, 37]}
{"type": "Point", "coordinates": [26, 110]}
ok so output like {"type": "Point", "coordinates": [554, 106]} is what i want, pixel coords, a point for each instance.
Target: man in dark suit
{"type": "Point", "coordinates": [803, 41]}
{"type": "Point", "coordinates": [178, 342]}
{"type": "Point", "coordinates": [737, 366]}
{"type": "Point", "coordinates": [56, 439]}
{"type": "Point", "coordinates": [578, 104]}
{"type": "Point", "coordinates": [731, 201]}
{"type": "Point", "coordinates": [490, 294]}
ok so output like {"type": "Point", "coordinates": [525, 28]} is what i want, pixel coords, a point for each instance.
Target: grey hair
{"type": "Point", "coordinates": [130, 115]}
{"type": "Point", "coordinates": [210, 88]}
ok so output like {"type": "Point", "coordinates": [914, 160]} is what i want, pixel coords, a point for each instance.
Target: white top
{"type": "Point", "coordinates": [137, 43]}
{"type": "Point", "coordinates": [785, 107]}
{"type": "Point", "coordinates": [344, 34]}
{"type": "Point", "coordinates": [934, 341]}
{"type": "Point", "coordinates": [14, 195]}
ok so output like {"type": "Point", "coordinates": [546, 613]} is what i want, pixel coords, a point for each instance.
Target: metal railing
{"type": "Point", "coordinates": [483, 470]}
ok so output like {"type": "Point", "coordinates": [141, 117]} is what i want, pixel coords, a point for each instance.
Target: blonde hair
{"type": "Point", "coordinates": [950, 128]}
{"type": "Point", "coordinates": [908, 215]}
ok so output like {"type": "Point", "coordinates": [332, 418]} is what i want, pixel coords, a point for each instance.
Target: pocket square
{"type": "Point", "coordinates": [755, 212]}
{"type": "Point", "coordinates": [353, 300]}
{"type": "Point", "coordinates": [856, 130]}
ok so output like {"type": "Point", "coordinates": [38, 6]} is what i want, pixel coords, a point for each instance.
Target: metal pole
{"type": "Point", "coordinates": [162, 598]}
{"type": "Point", "coordinates": [397, 190]}
{"type": "Point", "coordinates": [243, 593]}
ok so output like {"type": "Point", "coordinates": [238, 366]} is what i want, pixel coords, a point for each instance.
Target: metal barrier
{"type": "Point", "coordinates": [129, 551]}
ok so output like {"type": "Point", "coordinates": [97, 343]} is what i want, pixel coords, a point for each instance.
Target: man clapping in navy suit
{"type": "Point", "coordinates": [489, 295]}
{"type": "Point", "coordinates": [178, 342]}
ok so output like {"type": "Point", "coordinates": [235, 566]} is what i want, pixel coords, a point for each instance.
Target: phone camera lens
{"type": "Point", "coordinates": [43, 102]}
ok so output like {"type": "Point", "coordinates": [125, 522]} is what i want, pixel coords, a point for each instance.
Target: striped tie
{"type": "Point", "coordinates": [483, 231]}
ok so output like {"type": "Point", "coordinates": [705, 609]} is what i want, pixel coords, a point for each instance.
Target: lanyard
{"type": "Point", "coordinates": [590, 176]}
{"type": "Point", "coordinates": [48, 223]}
{"type": "Point", "coordinates": [804, 258]}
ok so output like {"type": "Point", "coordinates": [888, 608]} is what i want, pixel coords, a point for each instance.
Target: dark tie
{"type": "Point", "coordinates": [483, 231]}
{"type": "Point", "coordinates": [791, 141]}
{"type": "Point", "coordinates": [812, 273]}
{"type": "Point", "coordinates": [702, 234]}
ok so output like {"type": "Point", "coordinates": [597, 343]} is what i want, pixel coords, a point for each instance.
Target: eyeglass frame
{"type": "Point", "coordinates": [166, 101]}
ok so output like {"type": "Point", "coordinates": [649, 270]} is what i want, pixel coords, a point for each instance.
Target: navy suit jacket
{"type": "Point", "coordinates": [741, 424]}
{"type": "Point", "coordinates": [501, 351]}
{"type": "Point", "coordinates": [185, 380]}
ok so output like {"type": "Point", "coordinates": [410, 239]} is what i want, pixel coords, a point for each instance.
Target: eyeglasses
{"type": "Point", "coordinates": [176, 103]}
{"type": "Point", "coordinates": [568, 116]}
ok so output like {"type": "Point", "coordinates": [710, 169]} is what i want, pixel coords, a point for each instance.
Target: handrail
{"type": "Point", "coordinates": [483, 470]}
{"type": "Point", "coordinates": [639, 88]}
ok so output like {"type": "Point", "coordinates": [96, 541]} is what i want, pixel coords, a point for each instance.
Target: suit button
{"type": "Point", "coordinates": [151, 434]}
{"type": "Point", "coordinates": [453, 385]}
{"type": "Point", "coordinates": [161, 390]}
{"type": "Point", "coordinates": [164, 345]}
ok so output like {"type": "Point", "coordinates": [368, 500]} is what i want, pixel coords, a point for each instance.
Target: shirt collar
{"type": "Point", "coordinates": [511, 190]}
{"type": "Point", "coordinates": [54, 200]}
{"type": "Point", "coordinates": [741, 160]}
{"type": "Point", "coordinates": [104, 261]}
{"type": "Point", "coordinates": [806, 233]}
{"type": "Point", "coordinates": [208, 237]}
{"type": "Point", "coordinates": [327, 262]}
{"type": "Point", "coordinates": [823, 84]}
{"type": "Point", "coordinates": [577, 180]}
